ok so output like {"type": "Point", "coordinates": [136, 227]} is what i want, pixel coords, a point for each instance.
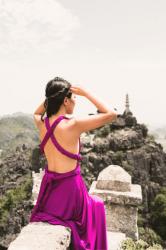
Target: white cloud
{"type": "Point", "coordinates": [30, 25]}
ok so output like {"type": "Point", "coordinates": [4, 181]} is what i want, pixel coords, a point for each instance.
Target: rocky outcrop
{"type": "Point", "coordinates": [123, 142]}
{"type": "Point", "coordinates": [127, 144]}
{"type": "Point", "coordinates": [15, 194]}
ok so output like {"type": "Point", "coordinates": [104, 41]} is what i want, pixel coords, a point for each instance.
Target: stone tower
{"type": "Point", "coordinates": [127, 109]}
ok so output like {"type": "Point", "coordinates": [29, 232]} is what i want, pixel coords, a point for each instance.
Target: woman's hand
{"type": "Point", "coordinates": [78, 90]}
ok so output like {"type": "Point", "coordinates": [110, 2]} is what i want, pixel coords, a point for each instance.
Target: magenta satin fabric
{"type": "Point", "coordinates": [63, 199]}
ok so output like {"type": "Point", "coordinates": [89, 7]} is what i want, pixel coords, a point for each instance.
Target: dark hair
{"type": "Point", "coordinates": [56, 90]}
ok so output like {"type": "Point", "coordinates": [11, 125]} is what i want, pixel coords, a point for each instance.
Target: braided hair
{"type": "Point", "coordinates": [56, 90]}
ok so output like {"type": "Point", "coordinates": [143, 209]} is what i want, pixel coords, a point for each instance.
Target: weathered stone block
{"type": "Point", "coordinates": [42, 236]}
{"type": "Point", "coordinates": [115, 178]}
{"type": "Point", "coordinates": [121, 199]}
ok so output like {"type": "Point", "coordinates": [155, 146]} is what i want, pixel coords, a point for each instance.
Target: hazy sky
{"type": "Point", "coordinates": [110, 47]}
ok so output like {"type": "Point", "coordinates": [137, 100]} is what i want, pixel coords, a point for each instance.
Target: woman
{"type": "Point", "coordinates": [63, 198]}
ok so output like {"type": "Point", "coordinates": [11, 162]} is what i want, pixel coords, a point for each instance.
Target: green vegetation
{"type": "Point", "coordinates": [15, 131]}
{"type": "Point", "coordinates": [140, 220]}
{"type": "Point", "coordinates": [158, 214]}
{"type": "Point", "coordinates": [149, 236]}
{"type": "Point", "coordinates": [129, 244]}
{"type": "Point", "coordinates": [128, 167]}
{"type": "Point", "coordinates": [119, 155]}
{"type": "Point", "coordinates": [103, 131]}
{"type": "Point", "coordinates": [13, 197]}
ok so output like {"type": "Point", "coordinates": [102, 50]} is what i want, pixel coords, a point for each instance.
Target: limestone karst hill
{"type": "Point", "coordinates": [16, 129]}
{"type": "Point", "coordinates": [124, 142]}
{"type": "Point", "coordinates": [128, 144]}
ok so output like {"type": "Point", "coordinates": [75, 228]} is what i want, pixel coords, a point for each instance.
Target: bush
{"type": "Point", "coordinates": [13, 197]}
{"type": "Point", "coordinates": [119, 155]}
{"type": "Point", "coordinates": [158, 214]}
{"type": "Point", "coordinates": [149, 235]}
{"type": "Point", "coordinates": [103, 131]}
{"type": "Point", "coordinates": [141, 220]}
{"type": "Point", "coordinates": [129, 244]}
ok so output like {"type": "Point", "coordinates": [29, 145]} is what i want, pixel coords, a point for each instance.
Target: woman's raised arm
{"type": "Point", "coordinates": [105, 116]}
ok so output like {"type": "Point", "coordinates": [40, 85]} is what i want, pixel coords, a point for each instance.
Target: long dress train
{"type": "Point", "coordinates": [63, 199]}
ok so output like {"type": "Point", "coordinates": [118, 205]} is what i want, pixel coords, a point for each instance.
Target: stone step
{"type": "Point", "coordinates": [115, 239]}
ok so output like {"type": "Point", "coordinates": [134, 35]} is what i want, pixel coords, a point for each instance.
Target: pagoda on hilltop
{"type": "Point", "coordinates": [127, 110]}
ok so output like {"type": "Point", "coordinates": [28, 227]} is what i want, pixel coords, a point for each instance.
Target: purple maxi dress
{"type": "Point", "coordinates": [63, 199]}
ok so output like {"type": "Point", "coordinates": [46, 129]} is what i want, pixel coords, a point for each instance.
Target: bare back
{"type": "Point", "coordinates": [68, 139]}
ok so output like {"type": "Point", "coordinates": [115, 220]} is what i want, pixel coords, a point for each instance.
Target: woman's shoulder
{"type": "Point", "coordinates": [70, 125]}
{"type": "Point", "coordinates": [69, 120]}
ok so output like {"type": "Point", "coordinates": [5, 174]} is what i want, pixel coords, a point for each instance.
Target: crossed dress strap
{"type": "Point", "coordinates": [49, 133]}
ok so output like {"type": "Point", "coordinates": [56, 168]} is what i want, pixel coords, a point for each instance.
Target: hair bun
{"type": "Point", "coordinates": [56, 90]}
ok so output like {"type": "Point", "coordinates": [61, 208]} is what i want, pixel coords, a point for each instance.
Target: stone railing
{"type": "Point", "coordinates": [121, 199]}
